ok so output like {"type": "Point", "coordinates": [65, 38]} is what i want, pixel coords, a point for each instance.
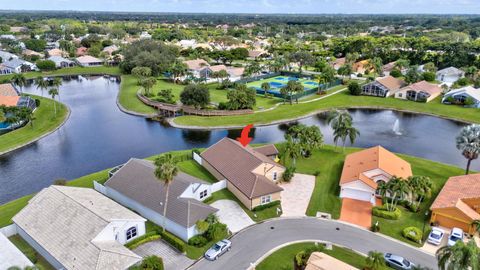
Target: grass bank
{"type": "Point", "coordinates": [341, 100]}
{"type": "Point", "coordinates": [68, 71]}
{"type": "Point", "coordinates": [45, 122]}
{"type": "Point", "coordinates": [282, 259]}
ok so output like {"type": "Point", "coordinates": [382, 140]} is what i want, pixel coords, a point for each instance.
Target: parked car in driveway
{"type": "Point", "coordinates": [455, 235]}
{"type": "Point", "coordinates": [436, 236]}
{"type": "Point", "coordinates": [398, 262]}
{"type": "Point", "coordinates": [218, 249]}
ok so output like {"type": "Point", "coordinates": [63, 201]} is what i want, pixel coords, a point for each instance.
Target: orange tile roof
{"type": "Point", "coordinates": [9, 101]}
{"type": "Point", "coordinates": [7, 89]}
{"type": "Point", "coordinates": [391, 83]}
{"type": "Point", "coordinates": [457, 189]}
{"type": "Point", "coordinates": [356, 164]}
{"type": "Point", "coordinates": [424, 86]}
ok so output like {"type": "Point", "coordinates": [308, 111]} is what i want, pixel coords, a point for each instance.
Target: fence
{"type": "Point", "coordinates": [219, 185]}
{"type": "Point", "coordinates": [99, 187]}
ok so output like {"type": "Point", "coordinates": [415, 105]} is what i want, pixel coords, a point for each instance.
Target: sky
{"type": "Point", "coordinates": [254, 6]}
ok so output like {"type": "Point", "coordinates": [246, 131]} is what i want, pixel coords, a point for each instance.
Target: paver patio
{"type": "Point", "coordinates": [356, 212]}
{"type": "Point", "coordinates": [230, 213]}
{"type": "Point", "coordinates": [172, 259]}
{"type": "Point", "coordinates": [296, 195]}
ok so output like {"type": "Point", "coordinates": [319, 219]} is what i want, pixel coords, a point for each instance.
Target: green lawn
{"type": "Point", "coordinates": [194, 169]}
{"type": "Point", "coordinates": [45, 122]}
{"type": "Point", "coordinates": [282, 259]}
{"type": "Point", "coordinates": [68, 71]}
{"type": "Point", "coordinates": [328, 163]}
{"type": "Point", "coordinates": [341, 100]}
{"type": "Point", "coordinates": [31, 254]}
{"type": "Point", "coordinates": [129, 88]}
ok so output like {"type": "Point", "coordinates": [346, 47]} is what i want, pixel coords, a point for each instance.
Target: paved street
{"type": "Point", "coordinates": [249, 245]}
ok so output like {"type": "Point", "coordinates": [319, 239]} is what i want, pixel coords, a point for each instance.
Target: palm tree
{"type": "Point", "coordinates": [375, 261]}
{"type": "Point", "coordinates": [165, 171]}
{"type": "Point", "coordinates": [292, 149]}
{"type": "Point", "coordinates": [57, 82]}
{"type": "Point", "coordinates": [399, 187]}
{"type": "Point", "coordinates": [338, 119]}
{"type": "Point", "coordinates": [41, 83]}
{"type": "Point", "coordinates": [469, 143]}
{"type": "Point", "coordinates": [284, 92]}
{"type": "Point", "coordinates": [26, 114]}
{"type": "Point", "coordinates": [265, 87]}
{"type": "Point", "coordinates": [476, 223]}
{"type": "Point", "coordinates": [459, 256]}
{"type": "Point", "coordinates": [349, 132]}
{"type": "Point", "coordinates": [420, 187]}
{"type": "Point", "coordinates": [19, 80]}
{"type": "Point", "coordinates": [53, 92]}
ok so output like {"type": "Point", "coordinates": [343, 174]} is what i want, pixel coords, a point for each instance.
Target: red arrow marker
{"type": "Point", "coordinates": [244, 139]}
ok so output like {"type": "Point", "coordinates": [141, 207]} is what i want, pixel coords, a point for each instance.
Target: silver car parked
{"type": "Point", "coordinates": [218, 249]}
{"type": "Point", "coordinates": [398, 262]}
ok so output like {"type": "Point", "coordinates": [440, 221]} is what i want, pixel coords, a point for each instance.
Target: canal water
{"type": "Point", "coordinates": [98, 136]}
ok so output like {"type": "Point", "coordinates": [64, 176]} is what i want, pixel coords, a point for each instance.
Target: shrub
{"type": "Point", "coordinates": [222, 106]}
{"type": "Point", "coordinates": [148, 237]}
{"type": "Point", "coordinates": [152, 263]}
{"type": "Point", "coordinates": [429, 76]}
{"type": "Point", "coordinates": [37, 102]}
{"type": "Point", "coordinates": [45, 65]}
{"type": "Point", "coordinates": [413, 207]}
{"type": "Point", "coordinates": [384, 213]}
{"type": "Point", "coordinates": [198, 241]}
{"type": "Point", "coordinates": [265, 206]}
{"type": "Point", "coordinates": [217, 231]}
{"type": "Point", "coordinates": [173, 240]}
{"type": "Point", "coordinates": [396, 73]}
{"type": "Point", "coordinates": [196, 95]}
{"type": "Point", "coordinates": [60, 182]}
{"type": "Point", "coordinates": [288, 174]}
{"type": "Point", "coordinates": [413, 233]}
{"type": "Point", "coordinates": [165, 96]}
{"type": "Point", "coordinates": [354, 88]}
{"type": "Point", "coordinates": [375, 227]}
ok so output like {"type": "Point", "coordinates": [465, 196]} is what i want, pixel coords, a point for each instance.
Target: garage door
{"type": "Point", "coordinates": [356, 194]}
{"type": "Point", "coordinates": [450, 223]}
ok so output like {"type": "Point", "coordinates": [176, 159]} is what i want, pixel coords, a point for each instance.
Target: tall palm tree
{"type": "Point", "coordinates": [41, 83]}
{"type": "Point", "coordinates": [165, 171]}
{"type": "Point", "coordinates": [265, 87]}
{"type": "Point", "coordinates": [53, 92]}
{"type": "Point", "coordinates": [375, 261]}
{"type": "Point", "coordinates": [399, 187]}
{"type": "Point", "coordinates": [292, 150]}
{"type": "Point", "coordinates": [338, 119]}
{"type": "Point", "coordinates": [350, 132]}
{"type": "Point", "coordinates": [469, 143]}
{"type": "Point", "coordinates": [19, 80]}
{"type": "Point", "coordinates": [459, 256]}
{"type": "Point", "coordinates": [420, 187]}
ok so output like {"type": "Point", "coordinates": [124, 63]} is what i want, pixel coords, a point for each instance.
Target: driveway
{"type": "Point", "coordinates": [230, 213]}
{"type": "Point", "coordinates": [296, 195]}
{"type": "Point", "coordinates": [356, 212]}
{"type": "Point", "coordinates": [172, 259]}
{"type": "Point", "coordinates": [251, 244]}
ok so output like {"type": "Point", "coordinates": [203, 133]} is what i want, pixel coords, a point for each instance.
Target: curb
{"type": "Point", "coordinates": [42, 136]}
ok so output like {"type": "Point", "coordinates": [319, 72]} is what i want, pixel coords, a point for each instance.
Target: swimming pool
{"type": "Point", "coordinates": [4, 125]}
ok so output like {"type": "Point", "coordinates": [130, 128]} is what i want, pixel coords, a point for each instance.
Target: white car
{"type": "Point", "coordinates": [398, 262]}
{"type": "Point", "coordinates": [455, 235]}
{"type": "Point", "coordinates": [218, 249]}
{"type": "Point", "coordinates": [436, 236]}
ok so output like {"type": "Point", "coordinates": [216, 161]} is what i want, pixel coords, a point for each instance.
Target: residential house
{"type": "Point", "coordinates": [338, 63]}
{"type": "Point", "coordinates": [10, 97]}
{"type": "Point", "coordinates": [57, 52]}
{"type": "Point", "coordinates": [463, 95]}
{"type": "Point", "coordinates": [361, 67]}
{"type": "Point", "coordinates": [198, 68]}
{"type": "Point", "coordinates": [234, 73]}
{"type": "Point", "coordinates": [187, 43]}
{"type": "Point", "coordinates": [81, 51]}
{"type": "Point", "coordinates": [18, 29]}
{"type": "Point", "coordinates": [6, 56]}
{"type": "Point", "coordinates": [30, 53]}
{"type": "Point", "coordinates": [449, 75]}
{"type": "Point", "coordinates": [458, 203]}
{"type": "Point", "coordinates": [251, 176]}
{"type": "Point", "coordinates": [52, 45]}
{"type": "Point", "coordinates": [421, 91]}
{"type": "Point", "coordinates": [322, 261]}
{"type": "Point", "coordinates": [387, 68]}
{"type": "Point", "coordinates": [135, 186]}
{"type": "Point", "coordinates": [145, 35]}
{"type": "Point", "coordinates": [11, 256]}
{"type": "Point", "coordinates": [110, 49]}
{"type": "Point", "coordinates": [383, 87]}
{"type": "Point", "coordinates": [17, 65]}
{"type": "Point", "coordinates": [79, 228]}
{"type": "Point", "coordinates": [364, 170]}
{"type": "Point", "coordinates": [89, 61]}
{"type": "Point", "coordinates": [254, 54]}
{"type": "Point", "coordinates": [61, 62]}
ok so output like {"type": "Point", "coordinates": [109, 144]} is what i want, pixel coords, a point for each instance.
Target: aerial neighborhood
{"type": "Point", "coordinates": [237, 139]}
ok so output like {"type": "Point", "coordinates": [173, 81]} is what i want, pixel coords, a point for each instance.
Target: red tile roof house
{"type": "Point", "coordinates": [251, 175]}
{"type": "Point", "coordinates": [420, 91]}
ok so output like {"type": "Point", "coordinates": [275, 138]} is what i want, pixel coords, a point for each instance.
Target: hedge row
{"type": "Point", "coordinates": [381, 211]}
{"type": "Point", "coordinates": [173, 240]}
{"type": "Point", "coordinates": [413, 233]}
{"type": "Point", "coordinates": [148, 237]}
{"type": "Point", "coordinates": [265, 206]}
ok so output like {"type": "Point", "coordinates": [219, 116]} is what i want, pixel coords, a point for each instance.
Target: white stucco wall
{"type": "Point", "coordinates": [10, 255]}
{"type": "Point", "coordinates": [118, 231]}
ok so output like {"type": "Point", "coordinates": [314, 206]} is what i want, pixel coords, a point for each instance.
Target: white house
{"type": "Point", "coordinates": [449, 75]}
{"type": "Point", "coordinates": [89, 61]}
{"type": "Point", "coordinates": [200, 69]}
{"type": "Point", "coordinates": [363, 171]}
{"type": "Point", "coordinates": [61, 62]}
{"type": "Point", "coordinates": [135, 186]}
{"type": "Point", "coordinates": [79, 228]}
{"type": "Point", "coordinates": [6, 56]}
{"type": "Point", "coordinates": [461, 95]}
{"type": "Point", "coordinates": [17, 65]}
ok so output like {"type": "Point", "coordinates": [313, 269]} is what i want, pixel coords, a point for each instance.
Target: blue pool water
{"type": "Point", "coordinates": [4, 125]}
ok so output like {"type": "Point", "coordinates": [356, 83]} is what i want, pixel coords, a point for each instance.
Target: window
{"type": "Point", "coordinates": [203, 194]}
{"type": "Point", "coordinates": [275, 176]}
{"type": "Point", "coordinates": [131, 233]}
{"type": "Point", "coordinates": [266, 199]}
{"type": "Point", "coordinates": [399, 94]}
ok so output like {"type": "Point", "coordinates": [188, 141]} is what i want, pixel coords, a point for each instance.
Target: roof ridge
{"type": "Point", "coordinates": [254, 184]}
